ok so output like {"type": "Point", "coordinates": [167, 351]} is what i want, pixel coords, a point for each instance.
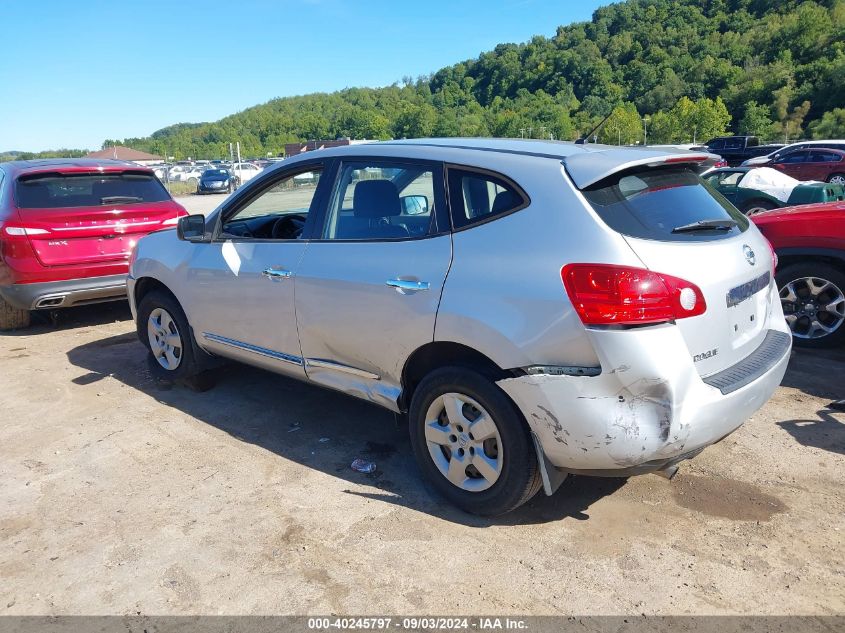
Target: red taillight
{"type": "Point", "coordinates": [604, 294]}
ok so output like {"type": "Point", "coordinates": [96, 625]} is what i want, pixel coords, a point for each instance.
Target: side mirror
{"type": "Point", "coordinates": [191, 228]}
{"type": "Point", "coordinates": [414, 205]}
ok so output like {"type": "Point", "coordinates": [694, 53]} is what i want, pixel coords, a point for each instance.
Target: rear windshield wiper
{"type": "Point", "coordinates": [706, 225]}
{"type": "Point", "coordinates": [118, 199]}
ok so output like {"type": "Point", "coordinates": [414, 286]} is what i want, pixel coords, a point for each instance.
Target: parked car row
{"type": "Point", "coordinates": [192, 173]}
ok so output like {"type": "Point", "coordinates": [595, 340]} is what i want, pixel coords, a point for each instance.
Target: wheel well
{"type": "Point", "coordinates": [145, 285]}
{"type": "Point", "coordinates": [438, 354]}
{"type": "Point", "coordinates": [788, 260]}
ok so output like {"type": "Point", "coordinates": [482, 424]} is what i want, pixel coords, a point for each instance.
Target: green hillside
{"type": "Point", "coordinates": [692, 67]}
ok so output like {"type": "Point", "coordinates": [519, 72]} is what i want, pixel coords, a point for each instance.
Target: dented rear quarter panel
{"type": "Point", "coordinates": [644, 406]}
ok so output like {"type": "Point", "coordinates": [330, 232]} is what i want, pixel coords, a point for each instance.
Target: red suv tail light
{"type": "Point", "coordinates": [604, 294]}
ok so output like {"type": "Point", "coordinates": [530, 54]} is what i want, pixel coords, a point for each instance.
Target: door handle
{"type": "Point", "coordinates": [276, 274]}
{"type": "Point", "coordinates": [403, 285]}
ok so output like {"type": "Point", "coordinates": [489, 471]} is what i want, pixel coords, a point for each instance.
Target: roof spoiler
{"type": "Point", "coordinates": [590, 167]}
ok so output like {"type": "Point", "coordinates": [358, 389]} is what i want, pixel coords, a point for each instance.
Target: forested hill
{"type": "Point", "coordinates": [692, 67]}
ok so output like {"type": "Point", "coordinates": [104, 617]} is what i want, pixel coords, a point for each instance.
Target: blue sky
{"type": "Point", "coordinates": [77, 72]}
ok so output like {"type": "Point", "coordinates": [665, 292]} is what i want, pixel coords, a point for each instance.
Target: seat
{"type": "Point", "coordinates": [505, 201]}
{"type": "Point", "coordinates": [375, 202]}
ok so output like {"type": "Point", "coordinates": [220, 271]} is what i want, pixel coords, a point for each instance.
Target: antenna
{"type": "Point", "coordinates": [584, 138]}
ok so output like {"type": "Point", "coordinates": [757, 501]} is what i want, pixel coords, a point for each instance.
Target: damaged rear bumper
{"type": "Point", "coordinates": [647, 410]}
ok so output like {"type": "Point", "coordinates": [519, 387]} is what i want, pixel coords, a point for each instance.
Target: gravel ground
{"type": "Point", "coordinates": [121, 495]}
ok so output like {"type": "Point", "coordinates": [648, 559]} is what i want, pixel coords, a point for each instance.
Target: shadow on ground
{"type": "Point", "coordinates": [290, 418]}
{"type": "Point", "coordinates": [44, 321]}
{"type": "Point", "coordinates": [826, 433]}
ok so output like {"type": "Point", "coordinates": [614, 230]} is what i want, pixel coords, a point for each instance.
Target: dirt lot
{"type": "Point", "coordinates": [121, 495]}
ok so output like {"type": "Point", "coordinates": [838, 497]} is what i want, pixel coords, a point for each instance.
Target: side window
{"type": "Point", "coordinates": [794, 157]}
{"type": "Point", "coordinates": [720, 144]}
{"type": "Point", "coordinates": [376, 201]}
{"type": "Point", "coordinates": [476, 196]}
{"type": "Point", "coordinates": [278, 212]}
{"type": "Point", "coordinates": [732, 178]}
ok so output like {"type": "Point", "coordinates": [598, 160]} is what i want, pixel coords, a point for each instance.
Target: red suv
{"type": "Point", "coordinates": [67, 227]}
{"type": "Point", "coordinates": [810, 243]}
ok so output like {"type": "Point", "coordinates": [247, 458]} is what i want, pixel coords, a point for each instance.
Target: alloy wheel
{"type": "Point", "coordinates": [463, 442]}
{"type": "Point", "coordinates": [165, 340]}
{"type": "Point", "coordinates": [838, 179]}
{"type": "Point", "coordinates": [813, 307]}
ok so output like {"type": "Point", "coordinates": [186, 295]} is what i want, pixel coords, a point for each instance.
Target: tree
{"type": "Point", "coordinates": [831, 125]}
{"type": "Point", "coordinates": [756, 121]}
{"type": "Point", "coordinates": [623, 127]}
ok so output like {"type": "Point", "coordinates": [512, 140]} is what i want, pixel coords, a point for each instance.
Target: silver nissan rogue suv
{"type": "Point", "coordinates": [536, 308]}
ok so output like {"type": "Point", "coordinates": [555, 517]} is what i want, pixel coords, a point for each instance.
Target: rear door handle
{"type": "Point", "coordinates": [276, 274]}
{"type": "Point", "coordinates": [403, 285]}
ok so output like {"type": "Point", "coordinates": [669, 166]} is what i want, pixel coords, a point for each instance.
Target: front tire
{"type": "Point", "coordinates": [813, 298]}
{"type": "Point", "coordinates": [12, 318]}
{"type": "Point", "coordinates": [164, 330]}
{"type": "Point", "coordinates": [472, 442]}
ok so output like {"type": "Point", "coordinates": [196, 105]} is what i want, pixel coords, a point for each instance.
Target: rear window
{"type": "Point", "coordinates": [53, 191]}
{"type": "Point", "coordinates": [650, 203]}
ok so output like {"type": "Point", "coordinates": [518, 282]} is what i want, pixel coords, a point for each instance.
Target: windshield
{"type": "Point", "coordinates": [651, 203]}
{"type": "Point", "coordinates": [52, 191]}
{"type": "Point", "coordinates": [215, 173]}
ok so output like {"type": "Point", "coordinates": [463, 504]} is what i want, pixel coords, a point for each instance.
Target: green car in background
{"type": "Point", "coordinates": [754, 190]}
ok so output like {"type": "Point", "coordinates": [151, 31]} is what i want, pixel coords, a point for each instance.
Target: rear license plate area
{"type": "Point", "coordinates": [747, 316]}
{"type": "Point", "coordinates": [747, 290]}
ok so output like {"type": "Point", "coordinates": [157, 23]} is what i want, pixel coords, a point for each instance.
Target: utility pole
{"type": "Point", "coordinates": [645, 130]}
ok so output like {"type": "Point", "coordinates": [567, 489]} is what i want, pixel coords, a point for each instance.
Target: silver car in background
{"type": "Point", "coordinates": [536, 308]}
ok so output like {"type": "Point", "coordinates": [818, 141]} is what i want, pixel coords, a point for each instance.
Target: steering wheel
{"type": "Point", "coordinates": [288, 227]}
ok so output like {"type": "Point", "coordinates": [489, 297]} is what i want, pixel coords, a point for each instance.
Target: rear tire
{"type": "Point", "coordinates": [448, 451]}
{"type": "Point", "coordinates": [816, 285]}
{"type": "Point", "coordinates": [753, 207]}
{"type": "Point", "coordinates": [836, 179]}
{"type": "Point", "coordinates": [12, 318]}
{"type": "Point", "coordinates": [163, 328]}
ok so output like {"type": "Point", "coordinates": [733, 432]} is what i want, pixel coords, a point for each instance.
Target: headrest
{"type": "Point", "coordinates": [375, 199]}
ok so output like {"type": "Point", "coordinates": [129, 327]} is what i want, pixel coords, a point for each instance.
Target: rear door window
{"type": "Point", "coordinates": [479, 196]}
{"type": "Point", "coordinates": [54, 190]}
{"type": "Point", "coordinates": [651, 203]}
